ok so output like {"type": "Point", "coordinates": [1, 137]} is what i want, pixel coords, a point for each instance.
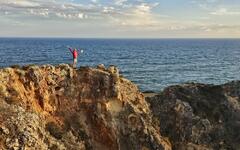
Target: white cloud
{"type": "Point", "coordinates": [206, 4]}
{"type": "Point", "coordinates": [107, 9]}
{"type": "Point", "coordinates": [225, 12]}
{"type": "Point", "coordinates": [94, 1]}
{"type": "Point", "coordinates": [204, 1]}
{"type": "Point", "coordinates": [126, 12]}
{"type": "Point", "coordinates": [41, 12]}
{"type": "Point", "coordinates": [143, 8]}
{"type": "Point", "coordinates": [210, 1]}
{"type": "Point", "coordinates": [46, 8]}
{"type": "Point", "coordinates": [21, 3]}
{"type": "Point", "coordinates": [135, 16]}
{"type": "Point", "coordinates": [139, 15]}
{"type": "Point", "coordinates": [120, 2]}
{"type": "Point", "coordinates": [71, 16]}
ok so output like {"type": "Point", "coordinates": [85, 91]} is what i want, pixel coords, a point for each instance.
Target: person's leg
{"type": "Point", "coordinates": [75, 63]}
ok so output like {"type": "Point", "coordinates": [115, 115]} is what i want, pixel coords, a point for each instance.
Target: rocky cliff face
{"type": "Point", "coordinates": [199, 117]}
{"type": "Point", "coordinates": [58, 108]}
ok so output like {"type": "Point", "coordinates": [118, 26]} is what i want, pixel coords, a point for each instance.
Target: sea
{"type": "Point", "coordinates": [153, 64]}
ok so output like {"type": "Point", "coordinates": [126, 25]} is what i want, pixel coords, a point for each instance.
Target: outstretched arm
{"type": "Point", "coordinates": [70, 50]}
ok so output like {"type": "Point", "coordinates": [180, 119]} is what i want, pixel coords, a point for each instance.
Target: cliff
{"type": "Point", "coordinates": [60, 108]}
{"type": "Point", "coordinates": [199, 116]}
{"type": "Point", "coordinates": [57, 108]}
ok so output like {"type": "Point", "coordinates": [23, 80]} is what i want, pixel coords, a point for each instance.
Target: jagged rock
{"type": "Point", "coordinates": [58, 107]}
{"type": "Point", "coordinates": [198, 116]}
{"type": "Point", "coordinates": [101, 67]}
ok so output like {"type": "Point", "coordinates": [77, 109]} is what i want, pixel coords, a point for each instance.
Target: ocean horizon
{"type": "Point", "coordinates": [152, 64]}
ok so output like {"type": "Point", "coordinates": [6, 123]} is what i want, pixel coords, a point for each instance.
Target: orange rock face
{"type": "Point", "coordinates": [48, 107]}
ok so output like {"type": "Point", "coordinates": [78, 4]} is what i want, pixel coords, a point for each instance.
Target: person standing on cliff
{"type": "Point", "coordinates": [75, 56]}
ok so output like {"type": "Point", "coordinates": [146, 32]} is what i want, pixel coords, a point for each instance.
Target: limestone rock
{"type": "Point", "coordinates": [199, 116]}
{"type": "Point", "coordinates": [101, 67]}
{"type": "Point", "coordinates": [60, 108]}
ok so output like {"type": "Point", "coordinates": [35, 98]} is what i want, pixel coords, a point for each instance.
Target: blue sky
{"type": "Point", "coordinates": [120, 18]}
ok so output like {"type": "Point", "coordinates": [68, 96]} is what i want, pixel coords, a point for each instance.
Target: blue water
{"type": "Point", "coordinates": [152, 64]}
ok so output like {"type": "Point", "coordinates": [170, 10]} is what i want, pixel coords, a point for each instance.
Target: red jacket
{"type": "Point", "coordinates": [75, 53]}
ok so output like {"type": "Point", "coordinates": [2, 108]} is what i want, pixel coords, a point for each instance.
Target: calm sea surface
{"type": "Point", "coordinates": [152, 64]}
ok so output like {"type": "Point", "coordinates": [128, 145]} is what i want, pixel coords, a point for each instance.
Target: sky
{"type": "Point", "coordinates": [120, 18]}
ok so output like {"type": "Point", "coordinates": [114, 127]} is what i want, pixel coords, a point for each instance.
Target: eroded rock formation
{"type": "Point", "coordinates": [199, 116]}
{"type": "Point", "coordinates": [57, 108]}
{"type": "Point", "coordinates": [60, 108]}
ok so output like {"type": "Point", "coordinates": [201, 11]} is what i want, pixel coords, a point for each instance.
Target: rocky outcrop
{"type": "Point", "coordinates": [198, 116]}
{"type": "Point", "coordinates": [58, 107]}
{"type": "Point", "coordinates": [61, 108]}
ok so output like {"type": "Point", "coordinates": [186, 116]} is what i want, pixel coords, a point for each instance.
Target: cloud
{"type": "Point", "coordinates": [71, 16]}
{"type": "Point", "coordinates": [225, 12]}
{"type": "Point", "coordinates": [94, 1]}
{"type": "Point", "coordinates": [20, 3]}
{"type": "Point", "coordinates": [121, 13]}
{"type": "Point", "coordinates": [108, 10]}
{"type": "Point", "coordinates": [205, 1]}
{"type": "Point", "coordinates": [46, 8]}
{"type": "Point", "coordinates": [119, 16]}
{"type": "Point", "coordinates": [209, 1]}
{"type": "Point", "coordinates": [139, 15]}
{"type": "Point", "coordinates": [222, 29]}
{"type": "Point", "coordinates": [120, 2]}
{"type": "Point", "coordinates": [42, 12]}
{"type": "Point", "coordinates": [206, 4]}
{"type": "Point", "coordinates": [143, 8]}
